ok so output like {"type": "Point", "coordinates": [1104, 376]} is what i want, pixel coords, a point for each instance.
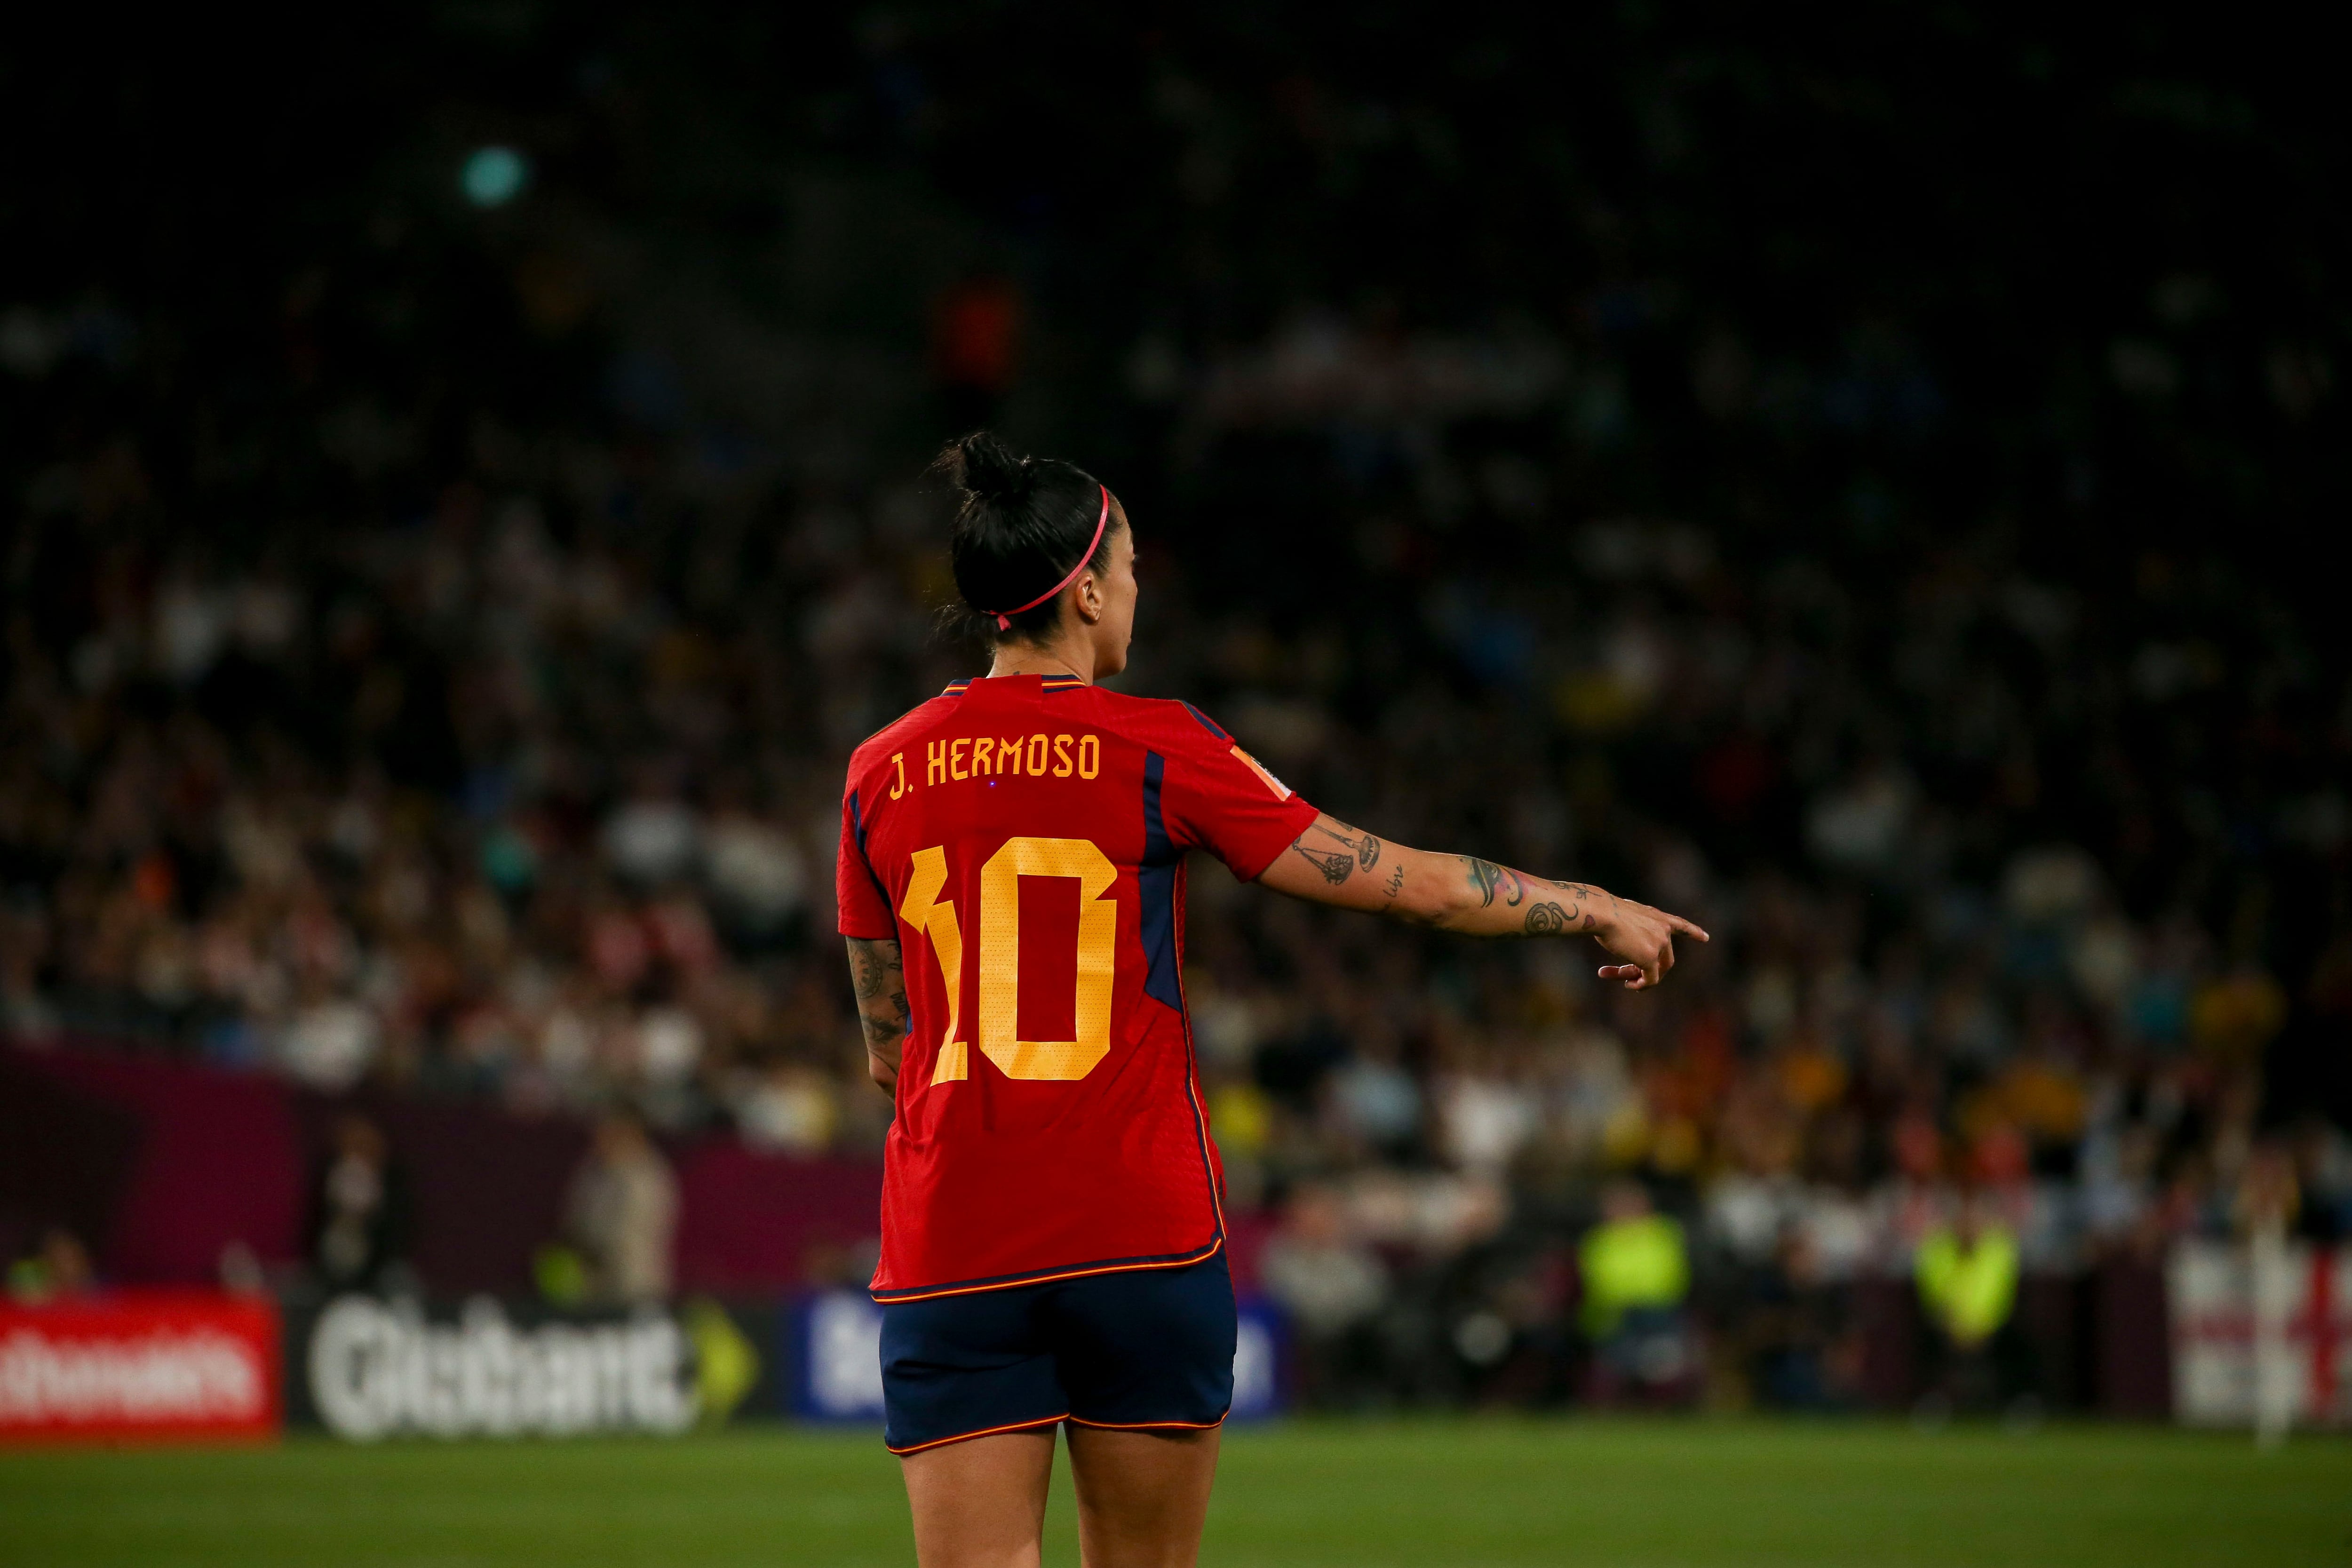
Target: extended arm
{"type": "Point", "coordinates": [880, 980]}
{"type": "Point", "coordinates": [1332, 863]}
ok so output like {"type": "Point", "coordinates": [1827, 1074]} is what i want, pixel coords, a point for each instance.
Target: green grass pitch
{"type": "Point", "coordinates": [1627, 1494]}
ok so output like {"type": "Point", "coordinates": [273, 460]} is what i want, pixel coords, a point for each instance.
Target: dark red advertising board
{"type": "Point", "coordinates": [140, 1366]}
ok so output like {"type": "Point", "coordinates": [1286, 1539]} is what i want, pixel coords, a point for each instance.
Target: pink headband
{"type": "Point", "coordinates": [1005, 617]}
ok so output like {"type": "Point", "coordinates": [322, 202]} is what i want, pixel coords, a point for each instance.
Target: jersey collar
{"type": "Point", "coordinates": [1046, 682]}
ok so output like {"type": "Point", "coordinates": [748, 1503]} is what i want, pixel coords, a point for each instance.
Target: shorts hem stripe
{"type": "Point", "coordinates": [1147, 1425]}
{"type": "Point", "coordinates": [984, 1432]}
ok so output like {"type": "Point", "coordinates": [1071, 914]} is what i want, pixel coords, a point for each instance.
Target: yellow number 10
{"type": "Point", "coordinates": [1000, 955]}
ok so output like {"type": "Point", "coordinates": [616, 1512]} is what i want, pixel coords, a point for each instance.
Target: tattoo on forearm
{"type": "Point", "coordinates": [1546, 920]}
{"type": "Point", "coordinates": [1586, 919]}
{"type": "Point", "coordinates": [1396, 881]}
{"type": "Point", "coordinates": [1485, 876]}
{"type": "Point", "coordinates": [1491, 880]}
{"type": "Point", "coordinates": [1578, 917]}
{"type": "Point", "coordinates": [881, 1031]}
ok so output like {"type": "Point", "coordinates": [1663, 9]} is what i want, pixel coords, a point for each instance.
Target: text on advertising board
{"type": "Point", "coordinates": [136, 1365]}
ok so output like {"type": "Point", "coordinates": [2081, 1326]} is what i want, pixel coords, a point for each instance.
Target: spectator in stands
{"type": "Point", "coordinates": [1636, 1273]}
{"type": "Point", "coordinates": [1334, 1287]}
{"type": "Point", "coordinates": [60, 1269]}
{"type": "Point", "coordinates": [2323, 1157]}
{"type": "Point", "coordinates": [1803, 1345]}
{"type": "Point", "coordinates": [360, 1214]}
{"type": "Point", "coordinates": [1968, 1277]}
{"type": "Point", "coordinates": [623, 1215]}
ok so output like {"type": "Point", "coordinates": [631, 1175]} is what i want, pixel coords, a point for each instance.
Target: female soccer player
{"type": "Point", "coordinates": [1011, 889]}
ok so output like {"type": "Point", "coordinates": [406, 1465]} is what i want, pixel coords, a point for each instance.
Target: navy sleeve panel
{"type": "Point", "coordinates": [1157, 882]}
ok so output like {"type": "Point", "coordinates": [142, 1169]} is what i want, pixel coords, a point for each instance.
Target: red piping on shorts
{"type": "Point", "coordinates": [1146, 1425]}
{"type": "Point", "coordinates": [984, 1432]}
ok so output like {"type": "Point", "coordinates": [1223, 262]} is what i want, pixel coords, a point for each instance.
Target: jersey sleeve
{"type": "Point", "coordinates": [865, 907]}
{"type": "Point", "coordinates": [1218, 797]}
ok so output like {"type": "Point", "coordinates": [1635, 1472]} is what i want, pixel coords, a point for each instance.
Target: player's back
{"type": "Point", "coordinates": [1023, 837]}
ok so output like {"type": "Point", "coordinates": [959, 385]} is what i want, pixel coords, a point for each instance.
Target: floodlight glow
{"type": "Point", "coordinates": [493, 176]}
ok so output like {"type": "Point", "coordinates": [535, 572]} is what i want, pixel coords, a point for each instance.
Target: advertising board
{"type": "Point", "coordinates": [367, 1368]}
{"type": "Point", "coordinates": [2261, 1337]}
{"type": "Point", "coordinates": [140, 1366]}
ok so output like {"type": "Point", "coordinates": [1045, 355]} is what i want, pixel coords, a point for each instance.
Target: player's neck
{"type": "Point", "coordinates": [1054, 659]}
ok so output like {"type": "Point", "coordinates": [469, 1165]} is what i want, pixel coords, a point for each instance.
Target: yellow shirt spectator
{"type": "Point", "coordinates": [1968, 1286]}
{"type": "Point", "coordinates": [1635, 1260]}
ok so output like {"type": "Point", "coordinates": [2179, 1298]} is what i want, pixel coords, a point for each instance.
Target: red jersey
{"type": "Point", "coordinates": [1023, 838]}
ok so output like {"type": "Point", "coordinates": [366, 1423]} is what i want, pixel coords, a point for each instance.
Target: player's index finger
{"type": "Point", "coordinates": [1686, 928]}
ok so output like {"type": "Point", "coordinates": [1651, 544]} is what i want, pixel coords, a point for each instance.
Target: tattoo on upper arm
{"type": "Point", "coordinates": [1337, 866]}
{"type": "Point", "coordinates": [877, 973]}
{"type": "Point", "coordinates": [1396, 881]}
{"type": "Point", "coordinates": [872, 967]}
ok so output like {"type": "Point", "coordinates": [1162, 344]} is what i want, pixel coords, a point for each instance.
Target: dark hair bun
{"type": "Point", "coordinates": [989, 469]}
{"type": "Point", "coordinates": [1022, 525]}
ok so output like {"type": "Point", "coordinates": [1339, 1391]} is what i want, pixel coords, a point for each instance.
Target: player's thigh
{"type": "Point", "coordinates": [982, 1503]}
{"type": "Point", "coordinates": [1143, 1496]}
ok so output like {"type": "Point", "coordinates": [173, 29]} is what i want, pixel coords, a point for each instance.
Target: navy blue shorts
{"type": "Point", "coordinates": [1143, 1347]}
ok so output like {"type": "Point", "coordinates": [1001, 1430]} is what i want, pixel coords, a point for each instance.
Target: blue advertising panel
{"type": "Point", "coordinates": [1259, 1346]}
{"type": "Point", "coordinates": [833, 1346]}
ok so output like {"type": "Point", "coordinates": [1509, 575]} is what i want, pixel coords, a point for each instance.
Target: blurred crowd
{"type": "Point", "coordinates": [540, 859]}
{"type": "Point", "coordinates": [504, 760]}
{"type": "Point", "coordinates": [485, 803]}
